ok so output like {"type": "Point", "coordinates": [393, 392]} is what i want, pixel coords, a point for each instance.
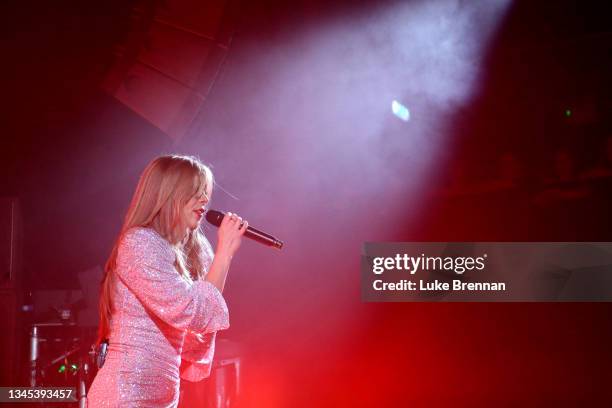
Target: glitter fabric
{"type": "Point", "coordinates": [163, 326]}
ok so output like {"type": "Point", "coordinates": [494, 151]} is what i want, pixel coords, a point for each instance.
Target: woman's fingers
{"type": "Point", "coordinates": [226, 219]}
{"type": "Point", "coordinates": [230, 218]}
{"type": "Point", "coordinates": [243, 228]}
{"type": "Point", "coordinates": [234, 221]}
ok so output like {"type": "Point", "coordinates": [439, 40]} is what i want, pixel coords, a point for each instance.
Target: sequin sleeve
{"type": "Point", "coordinates": [197, 356]}
{"type": "Point", "coordinates": [145, 264]}
{"type": "Point", "coordinates": [199, 349]}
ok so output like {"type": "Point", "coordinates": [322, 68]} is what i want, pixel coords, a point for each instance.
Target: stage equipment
{"type": "Point", "coordinates": [225, 380]}
{"type": "Point", "coordinates": [171, 59]}
{"type": "Point", "coordinates": [61, 355]}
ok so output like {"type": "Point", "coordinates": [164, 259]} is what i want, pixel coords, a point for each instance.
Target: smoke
{"type": "Point", "coordinates": [314, 104]}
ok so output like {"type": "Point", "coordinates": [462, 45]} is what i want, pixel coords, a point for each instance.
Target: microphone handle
{"type": "Point", "coordinates": [262, 237]}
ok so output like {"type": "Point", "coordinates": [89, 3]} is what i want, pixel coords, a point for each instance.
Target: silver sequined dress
{"type": "Point", "coordinates": [163, 327]}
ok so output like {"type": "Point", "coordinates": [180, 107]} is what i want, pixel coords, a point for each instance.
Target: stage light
{"type": "Point", "coordinates": [400, 111]}
{"type": "Point", "coordinates": [568, 113]}
{"type": "Point", "coordinates": [61, 368]}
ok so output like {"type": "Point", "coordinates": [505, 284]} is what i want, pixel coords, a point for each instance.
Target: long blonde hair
{"type": "Point", "coordinates": [165, 186]}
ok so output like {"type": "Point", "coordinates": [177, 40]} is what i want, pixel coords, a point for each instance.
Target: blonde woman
{"type": "Point", "coordinates": [161, 302]}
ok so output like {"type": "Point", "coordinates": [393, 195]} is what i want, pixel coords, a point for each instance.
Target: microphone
{"type": "Point", "coordinates": [215, 217]}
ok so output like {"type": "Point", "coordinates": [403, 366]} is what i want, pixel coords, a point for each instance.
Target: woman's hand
{"type": "Point", "coordinates": [230, 234]}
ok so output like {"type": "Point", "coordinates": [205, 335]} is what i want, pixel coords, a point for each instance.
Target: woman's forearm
{"type": "Point", "coordinates": [230, 232]}
{"type": "Point", "coordinates": [219, 268]}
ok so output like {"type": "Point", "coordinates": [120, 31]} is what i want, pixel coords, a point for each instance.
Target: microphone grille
{"type": "Point", "coordinates": [214, 217]}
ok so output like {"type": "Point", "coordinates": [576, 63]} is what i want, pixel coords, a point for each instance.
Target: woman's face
{"type": "Point", "coordinates": [194, 210]}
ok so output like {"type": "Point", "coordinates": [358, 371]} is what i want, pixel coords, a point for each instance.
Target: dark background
{"type": "Point", "coordinates": [72, 153]}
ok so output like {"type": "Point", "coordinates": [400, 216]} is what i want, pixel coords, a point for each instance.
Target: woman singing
{"type": "Point", "coordinates": [161, 303]}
